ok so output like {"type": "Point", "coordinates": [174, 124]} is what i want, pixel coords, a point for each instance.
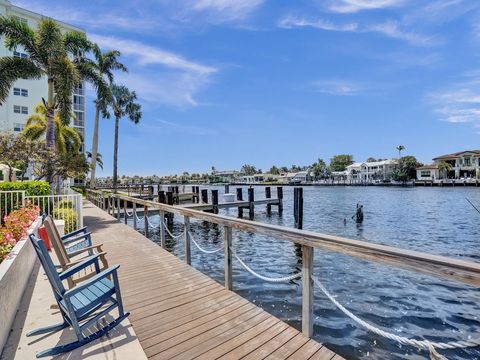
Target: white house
{"type": "Point", "coordinates": [5, 173]}
{"type": "Point", "coordinates": [428, 172]}
{"type": "Point", "coordinates": [465, 164]}
{"type": "Point", "coordinates": [371, 171]}
{"type": "Point", "coordinates": [227, 176]}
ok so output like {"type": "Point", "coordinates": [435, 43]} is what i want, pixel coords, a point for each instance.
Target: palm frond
{"type": "Point", "coordinates": [49, 41]}
{"type": "Point", "coordinates": [18, 33]}
{"type": "Point", "coordinates": [76, 43]}
{"type": "Point", "coordinates": [34, 131]}
{"type": "Point", "coordinates": [12, 69]}
{"type": "Point", "coordinates": [66, 79]}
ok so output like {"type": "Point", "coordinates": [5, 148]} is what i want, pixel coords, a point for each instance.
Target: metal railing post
{"type": "Point", "coordinates": [125, 211]}
{"type": "Point", "coordinates": [118, 209]}
{"type": "Point", "coordinates": [228, 257]}
{"type": "Point", "coordinates": [307, 291]}
{"type": "Point", "coordinates": [186, 221]}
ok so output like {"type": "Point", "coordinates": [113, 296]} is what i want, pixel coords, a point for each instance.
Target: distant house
{"type": "Point", "coordinates": [371, 171]}
{"type": "Point", "coordinates": [465, 164]}
{"type": "Point", "coordinates": [428, 172]}
{"type": "Point", "coordinates": [227, 176]}
{"type": "Point", "coordinates": [286, 178]}
{"type": "Point", "coordinates": [301, 177]}
{"type": "Point", "coordinates": [253, 179]}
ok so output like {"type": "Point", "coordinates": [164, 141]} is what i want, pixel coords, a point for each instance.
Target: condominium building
{"type": "Point", "coordinates": [25, 94]}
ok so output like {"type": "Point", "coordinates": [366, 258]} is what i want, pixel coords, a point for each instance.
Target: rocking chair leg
{"type": "Point", "coordinates": [47, 329]}
{"type": "Point", "coordinates": [87, 339]}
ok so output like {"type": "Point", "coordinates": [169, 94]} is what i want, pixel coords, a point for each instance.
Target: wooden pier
{"type": "Point", "coordinates": [179, 313]}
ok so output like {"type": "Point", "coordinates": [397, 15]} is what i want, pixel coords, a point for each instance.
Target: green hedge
{"type": "Point", "coordinates": [69, 216]}
{"type": "Point", "coordinates": [31, 187]}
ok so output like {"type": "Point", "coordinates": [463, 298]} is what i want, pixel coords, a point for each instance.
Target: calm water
{"type": "Point", "coordinates": [433, 220]}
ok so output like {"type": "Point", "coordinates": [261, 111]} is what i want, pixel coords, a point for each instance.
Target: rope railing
{"type": "Point", "coordinates": [431, 346]}
{"type": "Point", "coordinates": [150, 224]}
{"type": "Point", "coordinates": [170, 233]}
{"type": "Point", "coordinates": [202, 249]}
{"type": "Point", "coordinates": [265, 278]}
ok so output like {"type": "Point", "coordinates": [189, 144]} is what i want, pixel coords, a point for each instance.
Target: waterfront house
{"type": "Point", "coordinates": [428, 172]}
{"type": "Point", "coordinates": [227, 176]}
{"type": "Point", "coordinates": [371, 171]}
{"type": "Point", "coordinates": [464, 164]}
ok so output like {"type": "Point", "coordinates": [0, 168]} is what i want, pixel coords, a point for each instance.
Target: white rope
{"type": "Point", "coordinates": [423, 344]}
{"type": "Point", "coordinates": [128, 215]}
{"type": "Point", "coordinates": [202, 249]}
{"type": "Point", "coordinates": [170, 233]}
{"type": "Point", "coordinates": [152, 226]}
{"type": "Point", "coordinates": [264, 278]}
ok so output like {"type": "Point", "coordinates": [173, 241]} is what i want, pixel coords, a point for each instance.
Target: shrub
{"type": "Point", "coordinates": [15, 228]}
{"type": "Point", "coordinates": [68, 215]}
{"type": "Point", "coordinates": [31, 188]}
{"type": "Point", "coordinates": [65, 204]}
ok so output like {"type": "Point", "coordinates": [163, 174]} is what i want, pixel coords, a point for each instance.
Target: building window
{"type": "Point", "coordinates": [17, 109]}
{"type": "Point", "coordinates": [425, 173]}
{"type": "Point", "coordinates": [20, 55]}
{"type": "Point", "coordinates": [466, 161]}
{"type": "Point", "coordinates": [20, 92]}
{"type": "Point", "coordinates": [18, 127]}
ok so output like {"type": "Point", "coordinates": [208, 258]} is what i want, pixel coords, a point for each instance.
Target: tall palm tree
{"type": "Point", "coordinates": [123, 104]}
{"type": "Point", "coordinates": [67, 139]}
{"type": "Point", "coordinates": [99, 158]}
{"type": "Point", "coordinates": [104, 64]}
{"type": "Point", "coordinates": [51, 53]}
{"type": "Point", "coordinates": [400, 148]}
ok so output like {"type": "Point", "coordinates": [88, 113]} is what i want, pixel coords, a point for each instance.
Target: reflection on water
{"type": "Point", "coordinates": [433, 220]}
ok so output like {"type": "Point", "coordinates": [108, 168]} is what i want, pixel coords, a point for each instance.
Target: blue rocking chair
{"type": "Point", "coordinates": [82, 306]}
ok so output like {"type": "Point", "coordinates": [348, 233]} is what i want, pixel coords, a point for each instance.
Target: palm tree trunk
{"type": "Point", "coordinates": [50, 131]}
{"type": "Point", "coordinates": [94, 147]}
{"type": "Point", "coordinates": [115, 155]}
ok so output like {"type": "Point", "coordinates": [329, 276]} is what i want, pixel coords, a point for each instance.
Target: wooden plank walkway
{"type": "Point", "coordinates": [179, 313]}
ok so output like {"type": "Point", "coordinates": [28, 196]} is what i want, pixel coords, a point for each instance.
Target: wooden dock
{"type": "Point", "coordinates": [179, 313]}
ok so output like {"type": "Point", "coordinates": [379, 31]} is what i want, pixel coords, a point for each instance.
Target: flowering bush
{"type": "Point", "coordinates": [15, 226]}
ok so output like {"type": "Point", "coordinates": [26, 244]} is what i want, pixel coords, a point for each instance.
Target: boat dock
{"type": "Point", "coordinates": [185, 314]}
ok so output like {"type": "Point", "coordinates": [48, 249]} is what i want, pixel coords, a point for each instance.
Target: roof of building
{"type": "Point", "coordinates": [428, 167]}
{"type": "Point", "coordinates": [355, 165]}
{"type": "Point", "coordinates": [457, 154]}
{"type": "Point", "coordinates": [382, 162]}
{"type": "Point", "coordinates": [5, 167]}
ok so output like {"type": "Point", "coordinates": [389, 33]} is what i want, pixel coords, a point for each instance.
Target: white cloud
{"type": "Point", "coordinates": [391, 29]}
{"type": "Point", "coordinates": [353, 6]}
{"type": "Point", "coordinates": [160, 77]}
{"type": "Point", "coordinates": [459, 104]}
{"type": "Point", "coordinates": [338, 87]}
{"type": "Point", "coordinates": [148, 55]}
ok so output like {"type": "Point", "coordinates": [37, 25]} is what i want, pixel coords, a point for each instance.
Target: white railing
{"type": "Point", "coordinates": [9, 201]}
{"type": "Point", "coordinates": [60, 207]}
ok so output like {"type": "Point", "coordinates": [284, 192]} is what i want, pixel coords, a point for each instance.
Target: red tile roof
{"type": "Point", "coordinates": [454, 155]}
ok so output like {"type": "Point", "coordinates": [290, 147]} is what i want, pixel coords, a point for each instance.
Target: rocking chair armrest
{"type": "Point", "coordinates": [92, 280]}
{"type": "Point", "coordinates": [98, 247]}
{"type": "Point", "coordinates": [75, 262]}
{"type": "Point", "coordinates": [70, 240]}
{"type": "Point", "coordinates": [76, 232]}
{"type": "Point", "coordinates": [80, 266]}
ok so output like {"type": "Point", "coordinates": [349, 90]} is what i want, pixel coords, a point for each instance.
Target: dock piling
{"type": "Point", "coordinates": [298, 207]}
{"type": "Point", "coordinates": [205, 196]}
{"type": "Point", "coordinates": [186, 221]}
{"type": "Point", "coordinates": [228, 257]}
{"type": "Point", "coordinates": [307, 291]}
{"type": "Point", "coordinates": [240, 198]}
{"type": "Point", "coordinates": [268, 195]}
{"type": "Point", "coordinates": [145, 217]}
{"type": "Point", "coordinates": [251, 201]}
{"type": "Point", "coordinates": [215, 201]}
{"type": "Point", "coordinates": [280, 199]}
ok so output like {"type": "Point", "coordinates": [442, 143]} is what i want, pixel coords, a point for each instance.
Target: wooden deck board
{"type": "Point", "coordinates": [178, 312]}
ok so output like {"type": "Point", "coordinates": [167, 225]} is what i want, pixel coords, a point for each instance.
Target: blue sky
{"type": "Point", "coordinates": [228, 82]}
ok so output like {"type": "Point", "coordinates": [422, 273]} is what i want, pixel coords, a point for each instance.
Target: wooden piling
{"type": "Point", "coordinates": [215, 201]}
{"type": "Point", "coordinates": [240, 198]}
{"type": "Point", "coordinates": [307, 291]}
{"type": "Point", "coordinates": [145, 217]}
{"type": "Point", "coordinates": [298, 207]}
{"type": "Point", "coordinates": [268, 195]}
{"type": "Point", "coordinates": [205, 196]}
{"type": "Point", "coordinates": [251, 201]}
{"type": "Point", "coordinates": [170, 202]}
{"type": "Point", "coordinates": [186, 222]}
{"type": "Point", "coordinates": [280, 199]}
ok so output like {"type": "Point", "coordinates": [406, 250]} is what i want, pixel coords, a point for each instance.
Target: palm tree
{"type": "Point", "coordinates": [444, 167]}
{"type": "Point", "coordinates": [400, 148]}
{"type": "Point", "coordinates": [67, 139]}
{"type": "Point", "coordinates": [104, 65]}
{"type": "Point", "coordinates": [52, 54]}
{"type": "Point", "coordinates": [123, 104]}
{"type": "Point", "coordinates": [99, 158]}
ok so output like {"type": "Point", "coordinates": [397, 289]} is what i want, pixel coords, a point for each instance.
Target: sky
{"type": "Point", "coordinates": [280, 82]}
